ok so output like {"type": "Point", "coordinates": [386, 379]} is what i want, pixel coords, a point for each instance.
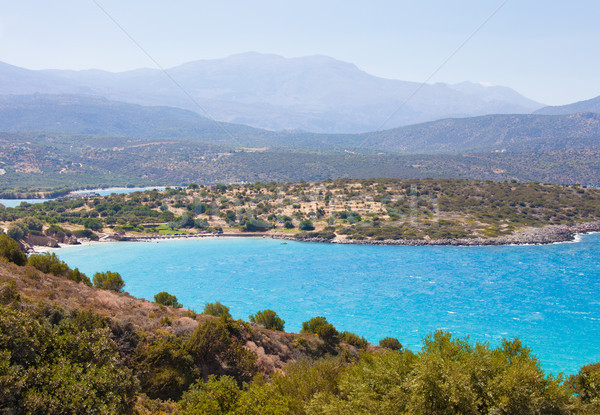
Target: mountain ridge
{"type": "Point", "coordinates": [82, 114]}
{"type": "Point", "coordinates": [315, 93]}
{"type": "Point", "coordinates": [588, 105]}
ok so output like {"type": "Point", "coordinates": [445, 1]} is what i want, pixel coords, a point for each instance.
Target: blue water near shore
{"type": "Point", "coordinates": [548, 296]}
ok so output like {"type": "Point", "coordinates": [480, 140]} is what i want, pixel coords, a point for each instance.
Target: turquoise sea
{"type": "Point", "coordinates": [548, 296]}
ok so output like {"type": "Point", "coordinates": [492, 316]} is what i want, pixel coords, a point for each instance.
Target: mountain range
{"type": "Point", "coordinates": [315, 93]}
{"type": "Point", "coordinates": [90, 115]}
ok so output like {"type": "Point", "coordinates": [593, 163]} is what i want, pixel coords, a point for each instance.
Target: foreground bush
{"type": "Point", "coordinates": [10, 250]}
{"type": "Point", "coordinates": [49, 263]}
{"type": "Point", "coordinates": [55, 365]}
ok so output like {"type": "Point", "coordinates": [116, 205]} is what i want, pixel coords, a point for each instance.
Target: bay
{"type": "Point", "coordinates": [546, 295]}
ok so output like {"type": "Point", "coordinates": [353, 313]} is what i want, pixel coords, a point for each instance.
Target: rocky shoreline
{"type": "Point", "coordinates": [531, 236]}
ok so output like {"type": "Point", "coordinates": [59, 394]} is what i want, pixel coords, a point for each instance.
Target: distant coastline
{"type": "Point", "coordinates": [533, 236]}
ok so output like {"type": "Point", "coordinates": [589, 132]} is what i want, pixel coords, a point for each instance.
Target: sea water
{"type": "Point", "coordinates": [546, 295]}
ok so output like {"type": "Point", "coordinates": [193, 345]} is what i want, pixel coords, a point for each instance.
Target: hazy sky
{"type": "Point", "coordinates": [547, 50]}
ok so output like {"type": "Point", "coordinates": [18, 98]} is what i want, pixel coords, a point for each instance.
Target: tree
{"type": "Point", "coordinates": [390, 343]}
{"type": "Point", "coordinates": [167, 299]}
{"type": "Point", "coordinates": [16, 231]}
{"type": "Point", "coordinates": [216, 309]}
{"type": "Point", "coordinates": [93, 224]}
{"type": "Point", "coordinates": [268, 319]}
{"type": "Point", "coordinates": [306, 225]}
{"type": "Point", "coordinates": [109, 281]}
{"type": "Point", "coordinates": [10, 250]}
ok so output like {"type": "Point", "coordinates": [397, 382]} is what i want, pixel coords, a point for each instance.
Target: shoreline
{"type": "Point", "coordinates": [533, 236]}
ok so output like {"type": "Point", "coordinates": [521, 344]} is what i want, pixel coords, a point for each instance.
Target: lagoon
{"type": "Point", "coordinates": [548, 295]}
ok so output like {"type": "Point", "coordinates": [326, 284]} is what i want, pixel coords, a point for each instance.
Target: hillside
{"type": "Point", "coordinates": [590, 105]}
{"type": "Point", "coordinates": [391, 211]}
{"type": "Point", "coordinates": [314, 93]}
{"type": "Point", "coordinates": [90, 115]}
{"type": "Point", "coordinates": [510, 133]}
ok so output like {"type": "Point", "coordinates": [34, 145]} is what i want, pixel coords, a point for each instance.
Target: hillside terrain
{"type": "Point", "coordinates": [68, 347]}
{"type": "Point", "coordinates": [589, 105]}
{"type": "Point", "coordinates": [90, 115]}
{"type": "Point", "coordinates": [315, 93]}
{"type": "Point", "coordinates": [428, 211]}
{"type": "Point", "coordinates": [39, 162]}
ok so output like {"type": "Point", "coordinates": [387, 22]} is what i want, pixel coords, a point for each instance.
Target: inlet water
{"type": "Point", "coordinates": [548, 296]}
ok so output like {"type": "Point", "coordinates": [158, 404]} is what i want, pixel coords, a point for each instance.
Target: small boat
{"type": "Point", "coordinates": [284, 243]}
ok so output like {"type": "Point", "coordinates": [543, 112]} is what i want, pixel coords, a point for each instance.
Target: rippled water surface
{"type": "Point", "coordinates": [549, 296]}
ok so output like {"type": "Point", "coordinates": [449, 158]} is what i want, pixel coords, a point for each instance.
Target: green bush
{"type": "Point", "coordinates": [60, 367]}
{"type": "Point", "coordinates": [164, 298]}
{"type": "Point", "coordinates": [217, 347]}
{"type": "Point", "coordinates": [390, 343]}
{"type": "Point", "coordinates": [16, 231]}
{"type": "Point", "coordinates": [93, 224]}
{"type": "Point", "coordinates": [109, 281]}
{"type": "Point", "coordinates": [9, 292]}
{"type": "Point", "coordinates": [10, 250]}
{"type": "Point", "coordinates": [353, 340]}
{"type": "Point", "coordinates": [268, 319]}
{"type": "Point", "coordinates": [164, 366]}
{"type": "Point", "coordinates": [306, 225]}
{"type": "Point", "coordinates": [216, 309]}
{"type": "Point", "coordinates": [323, 329]}
{"type": "Point", "coordinates": [48, 263]}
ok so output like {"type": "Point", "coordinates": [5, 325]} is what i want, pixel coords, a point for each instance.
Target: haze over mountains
{"type": "Point", "coordinates": [316, 93]}
{"type": "Point", "coordinates": [89, 115]}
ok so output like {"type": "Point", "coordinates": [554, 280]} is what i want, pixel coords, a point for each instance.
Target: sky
{"type": "Point", "coordinates": [545, 49]}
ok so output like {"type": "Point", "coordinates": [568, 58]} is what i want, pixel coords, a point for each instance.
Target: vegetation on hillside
{"type": "Point", "coordinates": [39, 164]}
{"type": "Point", "coordinates": [58, 360]}
{"type": "Point", "coordinates": [375, 209]}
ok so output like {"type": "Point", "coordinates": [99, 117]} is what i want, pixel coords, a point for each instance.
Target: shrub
{"type": "Point", "coordinates": [268, 319]}
{"type": "Point", "coordinates": [165, 367]}
{"type": "Point", "coordinates": [16, 231]}
{"type": "Point", "coordinates": [217, 348]}
{"type": "Point", "coordinates": [390, 343]}
{"type": "Point", "coordinates": [78, 276]}
{"type": "Point", "coordinates": [10, 250]}
{"type": "Point", "coordinates": [109, 281]}
{"type": "Point", "coordinates": [216, 309]}
{"type": "Point", "coordinates": [164, 298]}
{"type": "Point", "coordinates": [353, 340]}
{"type": "Point", "coordinates": [323, 329]}
{"type": "Point", "coordinates": [9, 292]}
{"type": "Point", "coordinates": [93, 224]}
{"type": "Point", "coordinates": [306, 225]}
{"type": "Point", "coordinates": [48, 263]}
